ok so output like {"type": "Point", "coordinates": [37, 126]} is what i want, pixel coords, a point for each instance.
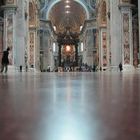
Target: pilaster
{"type": "Point", "coordinates": [103, 35]}
{"type": "Point", "coordinates": [33, 45]}
{"type": "Point", "coordinates": [103, 49]}
{"type": "Point", "coordinates": [9, 28]}
{"type": "Point", "coordinates": [126, 35]}
{"type": "Point", "coordinates": [115, 35]}
{"type": "Point", "coordinates": [21, 34]}
{"type": "Point", "coordinates": [135, 41]}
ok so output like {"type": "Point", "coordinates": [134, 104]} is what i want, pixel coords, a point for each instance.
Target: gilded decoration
{"type": "Point", "coordinates": [32, 15]}
{"type": "Point", "coordinates": [126, 38]}
{"type": "Point", "coordinates": [68, 52]}
{"type": "Point", "coordinates": [103, 14]}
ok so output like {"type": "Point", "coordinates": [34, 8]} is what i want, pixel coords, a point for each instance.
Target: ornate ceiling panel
{"type": "Point", "coordinates": [67, 13]}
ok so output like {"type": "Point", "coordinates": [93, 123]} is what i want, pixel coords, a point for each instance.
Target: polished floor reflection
{"type": "Point", "coordinates": [70, 106]}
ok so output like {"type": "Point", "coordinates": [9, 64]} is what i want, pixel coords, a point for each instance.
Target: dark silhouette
{"type": "Point", "coordinates": [20, 68]}
{"type": "Point", "coordinates": [94, 68]}
{"type": "Point", "coordinates": [120, 67]}
{"type": "Point", "coordinates": [5, 60]}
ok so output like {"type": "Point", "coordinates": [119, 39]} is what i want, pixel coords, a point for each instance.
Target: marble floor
{"type": "Point", "coordinates": [70, 106]}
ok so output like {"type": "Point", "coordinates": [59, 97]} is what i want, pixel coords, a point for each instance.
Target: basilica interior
{"type": "Point", "coordinates": [69, 35]}
{"type": "Point", "coordinates": [63, 80]}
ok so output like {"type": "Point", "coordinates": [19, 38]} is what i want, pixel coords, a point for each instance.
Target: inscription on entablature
{"type": "Point", "coordinates": [10, 1]}
{"type": "Point", "coordinates": [125, 1]}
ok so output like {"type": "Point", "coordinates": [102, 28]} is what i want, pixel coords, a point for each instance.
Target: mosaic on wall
{"type": "Point", "coordinates": [126, 44]}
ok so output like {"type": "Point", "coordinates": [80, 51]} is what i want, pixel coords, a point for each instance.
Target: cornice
{"type": "Point", "coordinates": [9, 6]}
{"type": "Point", "coordinates": [124, 5]}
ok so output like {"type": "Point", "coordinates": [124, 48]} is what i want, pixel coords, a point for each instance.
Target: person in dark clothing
{"type": "Point", "coordinates": [120, 67]}
{"type": "Point", "coordinates": [5, 60]}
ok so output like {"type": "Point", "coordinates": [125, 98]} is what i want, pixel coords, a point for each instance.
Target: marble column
{"type": "Point", "coordinates": [126, 36]}
{"type": "Point", "coordinates": [9, 31]}
{"type": "Point", "coordinates": [21, 31]}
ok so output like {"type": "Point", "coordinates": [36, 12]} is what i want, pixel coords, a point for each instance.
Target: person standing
{"type": "Point", "coordinates": [120, 67]}
{"type": "Point", "coordinates": [5, 60]}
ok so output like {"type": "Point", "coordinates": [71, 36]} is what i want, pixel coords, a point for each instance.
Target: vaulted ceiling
{"type": "Point", "coordinates": [67, 13]}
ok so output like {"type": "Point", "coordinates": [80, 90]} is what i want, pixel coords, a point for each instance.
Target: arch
{"type": "Point", "coordinates": [56, 1]}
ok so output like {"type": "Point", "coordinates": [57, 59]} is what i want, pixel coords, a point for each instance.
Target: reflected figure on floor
{"type": "Point", "coordinates": [120, 67]}
{"type": "Point", "coordinates": [5, 60]}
